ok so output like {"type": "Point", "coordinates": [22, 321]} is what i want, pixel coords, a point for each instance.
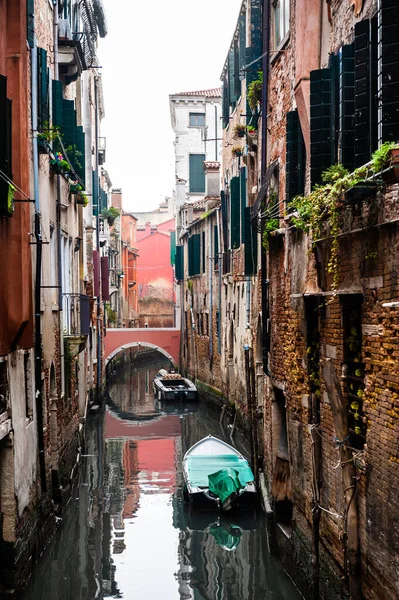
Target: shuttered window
{"type": "Point", "coordinates": [216, 245]}
{"type": "Point", "coordinates": [243, 199]}
{"type": "Point", "coordinates": [203, 252]}
{"type": "Point", "coordinates": [366, 109]}
{"type": "Point", "coordinates": [69, 129]}
{"type": "Point", "coordinates": [172, 247]}
{"type": "Point", "coordinates": [58, 107]}
{"type": "Point", "coordinates": [388, 71]}
{"type": "Point", "coordinates": [194, 255]}
{"type": "Point", "coordinates": [242, 40]}
{"type": "Point", "coordinates": [235, 212]}
{"type": "Point", "coordinates": [79, 154]}
{"type": "Point", "coordinates": [232, 79]}
{"type": "Point", "coordinates": [251, 244]}
{"type": "Point", "coordinates": [346, 111]}
{"type": "Point", "coordinates": [30, 11]}
{"type": "Point", "coordinates": [95, 193]}
{"type": "Point", "coordinates": [295, 157]}
{"type": "Point", "coordinates": [179, 264]}
{"type": "Point", "coordinates": [321, 123]}
{"type": "Point", "coordinates": [6, 204]}
{"type": "Point", "coordinates": [225, 103]}
{"type": "Point", "coordinates": [43, 78]}
{"type": "Point", "coordinates": [197, 174]}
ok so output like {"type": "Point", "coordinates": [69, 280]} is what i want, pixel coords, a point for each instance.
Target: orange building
{"type": "Point", "coordinates": [129, 270]}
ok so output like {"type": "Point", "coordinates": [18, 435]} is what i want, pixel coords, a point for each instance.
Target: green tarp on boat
{"type": "Point", "coordinates": [225, 482]}
{"type": "Point", "coordinates": [200, 467]}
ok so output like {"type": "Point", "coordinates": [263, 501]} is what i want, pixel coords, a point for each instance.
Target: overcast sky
{"type": "Point", "coordinates": [155, 48]}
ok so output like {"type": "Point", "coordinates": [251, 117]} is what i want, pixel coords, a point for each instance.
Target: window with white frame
{"type": "Point", "coordinates": [281, 21]}
{"type": "Point", "coordinates": [197, 119]}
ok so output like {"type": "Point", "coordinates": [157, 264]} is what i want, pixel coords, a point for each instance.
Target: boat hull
{"type": "Point", "coordinates": [206, 458]}
{"type": "Point", "coordinates": [181, 392]}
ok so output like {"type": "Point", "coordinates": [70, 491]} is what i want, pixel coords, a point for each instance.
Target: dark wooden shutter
{"type": "Point", "coordinates": [203, 252]}
{"type": "Point", "coordinates": [388, 70]}
{"type": "Point", "coordinates": [321, 124]}
{"type": "Point", "coordinates": [30, 13]}
{"type": "Point", "coordinates": [235, 212]}
{"type": "Point", "coordinates": [242, 40]}
{"type": "Point", "coordinates": [225, 100]}
{"type": "Point", "coordinates": [197, 253]}
{"type": "Point", "coordinates": [197, 174]}
{"type": "Point", "coordinates": [251, 244]}
{"type": "Point", "coordinates": [295, 157]}
{"type": "Point", "coordinates": [95, 198]}
{"type": "Point", "coordinates": [104, 279]}
{"type": "Point", "coordinates": [58, 107]}
{"type": "Point", "coordinates": [79, 156]}
{"type": "Point", "coordinates": [256, 30]}
{"type": "Point", "coordinates": [43, 89]}
{"type": "Point", "coordinates": [6, 209]}
{"type": "Point", "coordinates": [179, 265]}
{"type": "Point", "coordinates": [346, 99]}
{"type": "Point", "coordinates": [69, 131]}
{"type": "Point", "coordinates": [224, 203]}
{"type": "Point", "coordinates": [216, 244]}
{"type": "Point", "coordinates": [232, 80]}
{"type": "Point", "coordinates": [243, 199]}
{"type": "Point", "coordinates": [366, 119]}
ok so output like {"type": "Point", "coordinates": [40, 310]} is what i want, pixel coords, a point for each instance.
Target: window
{"type": "Point", "coordinates": [197, 119]}
{"type": "Point", "coordinates": [197, 174]}
{"type": "Point", "coordinates": [281, 21]}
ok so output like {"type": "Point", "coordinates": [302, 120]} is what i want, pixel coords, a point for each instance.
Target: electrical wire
{"type": "Point", "coordinates": [18, 189]}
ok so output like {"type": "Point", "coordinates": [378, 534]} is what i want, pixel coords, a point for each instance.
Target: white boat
{"type": "Point", "coordinates": [217, 475]}
{"type": "Point", "coordinates": [173, 386]}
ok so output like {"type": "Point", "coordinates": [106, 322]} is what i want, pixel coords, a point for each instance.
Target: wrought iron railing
{"type": "Point", "coordinates": [76, 314]}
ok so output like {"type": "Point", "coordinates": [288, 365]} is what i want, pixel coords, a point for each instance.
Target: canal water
{"type": "Point", "coordinates": [128, 533]}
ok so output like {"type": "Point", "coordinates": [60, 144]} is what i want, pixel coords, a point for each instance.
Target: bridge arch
{"type": "Point", "coordinates": [139, 345]}
{"type": "Point", "coordinates": [166, 340]}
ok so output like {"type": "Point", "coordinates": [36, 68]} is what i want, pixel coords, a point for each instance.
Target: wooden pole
{"type": "Point", "coordinates": [338, 407]}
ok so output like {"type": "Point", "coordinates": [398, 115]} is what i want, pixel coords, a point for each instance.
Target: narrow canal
{"type": "Point", "coordinates": [128, 533]}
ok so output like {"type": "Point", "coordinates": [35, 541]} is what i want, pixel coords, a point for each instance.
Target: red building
{"type": "Point", "coordinates": [155, 277]}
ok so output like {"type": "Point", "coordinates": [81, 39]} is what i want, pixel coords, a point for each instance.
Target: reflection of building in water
{"type": "Point", "coordinates": [131, 469]}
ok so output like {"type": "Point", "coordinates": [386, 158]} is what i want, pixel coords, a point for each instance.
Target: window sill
{"type": "Point", "coordinates": [280, 48]}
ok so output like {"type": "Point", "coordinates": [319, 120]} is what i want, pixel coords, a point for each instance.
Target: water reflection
{"type": "Point", "coordinates": [129, 534]}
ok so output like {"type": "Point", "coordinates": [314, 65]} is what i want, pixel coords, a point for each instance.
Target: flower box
{"type": "Point", "coordinates": [361, 191]}
{"type": "Point", "coordinates": [43, 146]}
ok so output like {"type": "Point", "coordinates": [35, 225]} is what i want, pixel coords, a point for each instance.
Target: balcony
{"type": "Point", "coordinates": [76, 314]}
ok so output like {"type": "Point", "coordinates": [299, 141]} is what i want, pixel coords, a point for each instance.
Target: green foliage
{"type": "Point", "coordinates": [48, 133]}
{"type": "Point", "coordinates": [81, 198]}
{"type": "Point", "coordinates": [112, 315]}
{"type": "Point", "coordinates": [333, 173]}
{"type": "Point", "coordinates": [236, 151]}
{"type": "Point", "coordinates": [190, 284]}
{"type": "Point", "coordinates": [380, 157]}
{"type": "Point", "coordinates": [110, 213]}
{"type": "Point", "coordinates": [254, 91]}
{"type": "Point", "coordinates": [270, 226]}
{"type": "Point", "coordinates": [239, 130]}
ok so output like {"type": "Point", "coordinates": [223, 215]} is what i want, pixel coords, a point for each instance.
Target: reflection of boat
{"type": "Point", "coordinates": [215, 473]}
{"type": "Point", "coordinates": [176, 408]}
{"type": "Point", "coordinates": [173, 386]}
{"type": "Point", "coordinates": [227, 535]}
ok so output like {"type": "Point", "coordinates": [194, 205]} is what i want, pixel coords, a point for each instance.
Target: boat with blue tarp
{"type": "Point", "coordinates": [215, 473]}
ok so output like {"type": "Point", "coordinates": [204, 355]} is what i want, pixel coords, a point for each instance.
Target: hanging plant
{"type": "Point", "coordinates": [254, 91]}
{"type": "Point", "coordinates": [59, 165]}
{"type": "Point", "coordinates": [239, 130]}
{"type": "Point", "coordinates": [270, 226]}
{"type": "Point", "coordinates": [110, 214]}
{"type": "Point", "coordinates": [81, 198]}
{"type": "Point", "coordinates": [236, 151]}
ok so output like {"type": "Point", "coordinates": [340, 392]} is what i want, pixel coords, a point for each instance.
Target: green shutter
{"type": "Point", "coordinates": [203, 252]}
{"type": "Point", "coordinates": [196, 253]}
{"type": "Point", "coordinates": [42, 89]}
{"type": "Point", "coordinates": [251, 244]}
{"type": "Point", "coordinates": [30, 14]}
{"type": "Point", "coordinates": [256, 30]}
{"type": "Point", "coordinates": [225, 103]}
{"type": "Point", "coordinates": [172, 247]}
{"type": "Point", "coordinates": [232, 79]}
{"type": "Point", "coordinates": [243, 197]}
{"type": "Point", "coordinates": [235, 212]}
{"type": "Point", "coordinates": [388, 70]}
{"type": "Point", "coordinates": [69, 131]}
{"type": "Point", "coordinates": [79, 154]}
{"type": "Point", "coordinates": [242, 40]}
{"type": "Point", "coordinates": [179, 264]}
{"type": "Point", "coordinates": [103, 200]}
{"type": "Point", "coordinates": [347, 106]}
{"type": "Point", "coordinates": [95, 193]}
{"type": "Point", "coordinates": [295, 157]}
{"type": "Point", "coordinates": [321, 124]}
{"type": "Point", "coordinates": [58, 107]}
{"type": "Point", "coordinates": [197, 174]}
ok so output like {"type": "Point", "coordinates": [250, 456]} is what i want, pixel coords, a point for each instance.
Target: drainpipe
{"type": "Point", "coordinates": [210, 263]}
{"type": "Point", "coordinates": [99, 324]}
{"type": "Point", "coordinates": [38, 275]}
{"type": "Point", "coordinates": [264, 282]}
{"type": "Point", "coordinates": [219, 281]}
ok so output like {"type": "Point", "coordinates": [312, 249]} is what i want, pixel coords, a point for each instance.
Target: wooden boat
{"type": "Point", "coordinates": [217, 475]}
{"type": "Point", "coordinates": [173, 386]}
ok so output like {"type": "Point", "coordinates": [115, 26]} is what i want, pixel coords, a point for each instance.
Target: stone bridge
{"type": "Point", "coordinates": [165, 340]}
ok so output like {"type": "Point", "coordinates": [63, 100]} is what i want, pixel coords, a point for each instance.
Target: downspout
{"type": "Point", "coordinates": [216, 133]}
{"type": "Point", "coordinates": [219, 280]}
{"type": "Point", "coordinates": [265, 282]}
{"type": "Point", "coordinates": [58, 216]}
{"type": "Point", "coordinates": [210, 263]}
{"type": "Point", "coordinates": [99, 324]}
{"type": "Point", "coordinates": [38, 276]}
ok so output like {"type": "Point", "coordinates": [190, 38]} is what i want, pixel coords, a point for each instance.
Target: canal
{"type": "Point", "coordinates": [128, 533]}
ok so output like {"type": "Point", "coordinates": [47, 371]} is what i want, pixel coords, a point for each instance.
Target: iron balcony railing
{"type": "Point", "coordinates": [76, 313]}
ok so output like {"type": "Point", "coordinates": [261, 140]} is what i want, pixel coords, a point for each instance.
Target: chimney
{"type": "Point", "coordinates": [212, 179]}
{"type": "Point", "coordinates": [116, 199]}
{"type": "Point", "coordinates": [180, 192]}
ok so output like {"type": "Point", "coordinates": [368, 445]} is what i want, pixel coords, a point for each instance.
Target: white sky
{"type": "Point", "coordinates": [155, 48]}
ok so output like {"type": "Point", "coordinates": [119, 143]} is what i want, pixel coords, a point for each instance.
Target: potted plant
{"type": "Point", "coordinates": [254, 94]}
{"type": "Point", "coordinates": [81, 198]}
{"type": "Point", "coordinates": [236, 151]}
{"type": "Point", "coordinates": [75, 187]}
{"type": "Point", "coordinates": [385, 162]}
{"type": "Point", "coordinates": [46, 136]}
{"type": "Point", "coordinates": [59, 165]}
{"type": "Point", "coordinates": [110, 214]}
{"type": "Point", "coordinates": [239, 130]}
